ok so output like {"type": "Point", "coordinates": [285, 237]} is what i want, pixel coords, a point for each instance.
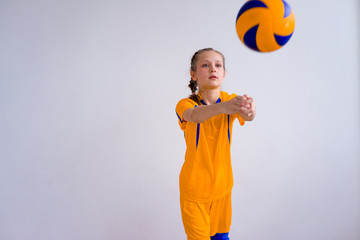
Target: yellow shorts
{"type": "Point", "coordinates": [204, 219]}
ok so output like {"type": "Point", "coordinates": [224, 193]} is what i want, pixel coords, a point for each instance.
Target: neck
{"type": "Point", "coordinates": [210, 96]}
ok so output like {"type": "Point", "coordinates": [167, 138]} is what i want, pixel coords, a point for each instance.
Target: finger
{"type": "Point", "coordinates": [250, 99]}
{"type": "Point", "coordinates": [245, 110]}
{"type": "Point", "coordinates": [241, 99]}
{"type": "Point", "coordinates": [246, 114]}
{"type": "Point", "coordinates": [253, 105]}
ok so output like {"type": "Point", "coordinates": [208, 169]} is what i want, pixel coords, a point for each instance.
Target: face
{"type": "Point", "coordinates": [209, 72]}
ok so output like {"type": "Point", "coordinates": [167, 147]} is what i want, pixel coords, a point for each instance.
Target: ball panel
{"type": "Point", "coordinates": [250, 38]}
{"type": "Point", "coordinates": [282, 40]}
{"type": "Point", "coordinates": [285, 26]}
{"type": "Point", "coordinates": [250, 19]}
{"type": "Point", "coordinates": [288, 10]}
{"type": "Point", "coordinates": [250, 4]}
{"type": "Point", "coordinates": [265, 37]}
{"type": "Point", "coordinates": [276, 8]}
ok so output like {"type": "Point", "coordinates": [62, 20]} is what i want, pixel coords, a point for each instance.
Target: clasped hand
{"type": "Point", "coordinates": [244, 105]}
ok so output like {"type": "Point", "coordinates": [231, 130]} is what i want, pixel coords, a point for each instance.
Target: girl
{"type": "Point", "coordinates": [206, 118]}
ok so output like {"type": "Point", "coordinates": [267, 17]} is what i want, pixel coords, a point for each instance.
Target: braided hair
{"type": "Point", "coordinates": [193, 85]}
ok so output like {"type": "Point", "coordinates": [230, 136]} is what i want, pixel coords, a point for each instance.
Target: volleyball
{"type": "Point", "coordinates": [265, 25]}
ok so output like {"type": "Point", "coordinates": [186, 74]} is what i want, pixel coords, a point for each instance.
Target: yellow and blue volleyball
{"type": "Point", "coordinates": [265, 25]}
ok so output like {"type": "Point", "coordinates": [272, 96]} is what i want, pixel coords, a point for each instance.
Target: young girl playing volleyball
{"type": "Point", "coordinates": [206, 117]}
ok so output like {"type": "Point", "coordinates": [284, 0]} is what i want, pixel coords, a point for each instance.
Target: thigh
{"type": "Point", "coordinates": [220, 215]}
{"type": "Point", "coordinates": [196, 219]}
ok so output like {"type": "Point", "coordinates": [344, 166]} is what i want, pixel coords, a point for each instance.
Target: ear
{"type": "Point", "coordinates": [192, 74]}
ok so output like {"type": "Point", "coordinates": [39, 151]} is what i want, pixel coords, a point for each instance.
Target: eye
{"type": "Point", "coordinates": [205, 65]}
{"type": "Point", "coordinates": [218, 65]}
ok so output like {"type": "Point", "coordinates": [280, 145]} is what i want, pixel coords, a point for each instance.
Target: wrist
{"type": "Point", "coordinates": [222, 108]}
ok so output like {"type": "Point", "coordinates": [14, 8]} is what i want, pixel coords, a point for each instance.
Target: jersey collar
{"type": "Point", "coordinates": [204, 103]}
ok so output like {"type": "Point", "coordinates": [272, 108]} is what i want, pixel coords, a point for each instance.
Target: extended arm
{"type": "Point", "coordinates": [239, 104]}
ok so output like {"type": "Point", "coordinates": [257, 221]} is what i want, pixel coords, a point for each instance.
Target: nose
{"type": "Point", "coordinates": [213, 68]}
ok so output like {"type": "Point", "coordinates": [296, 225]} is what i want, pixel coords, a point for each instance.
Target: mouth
{"type": "Point", "coordinates": [213, 77]}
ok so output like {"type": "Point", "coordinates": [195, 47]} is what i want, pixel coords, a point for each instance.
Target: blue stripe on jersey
{"type": "Point", "coordinates": [179, 117]}
{"type": "Point", "coordinates": [229, 127]}
{"type": "Point", "coordinates": [198, 126]}
{"type": "Point", "coordinates": [197, 134]}
{"type": "Point", "coordinates": [220, 236]}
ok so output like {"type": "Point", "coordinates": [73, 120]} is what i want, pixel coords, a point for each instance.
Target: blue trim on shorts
{"type": "Point", "coordinates": [220, 236]}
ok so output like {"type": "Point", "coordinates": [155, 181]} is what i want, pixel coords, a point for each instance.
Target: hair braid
{"type": "Point", "coordinates": [193, 86]}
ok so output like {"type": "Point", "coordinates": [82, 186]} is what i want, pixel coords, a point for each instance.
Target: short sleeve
{"type": "Point", "coordinates": [181, 107]}
{"type": "Point", "coordinates": [241, 120]}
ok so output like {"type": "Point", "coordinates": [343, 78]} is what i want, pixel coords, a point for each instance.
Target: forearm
{"type": "Point", "coordinates": [202, 113]}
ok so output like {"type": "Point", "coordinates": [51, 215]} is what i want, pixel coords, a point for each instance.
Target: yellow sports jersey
{"type": "Point", "coordinates": [206, 174]}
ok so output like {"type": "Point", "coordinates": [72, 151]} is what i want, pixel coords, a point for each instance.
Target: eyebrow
{"type": "Point", "coordinates": [206, 60]}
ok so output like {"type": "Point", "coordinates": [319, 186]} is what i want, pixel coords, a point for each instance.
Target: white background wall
{"type": "Point", "coordinates": [89, 142]}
